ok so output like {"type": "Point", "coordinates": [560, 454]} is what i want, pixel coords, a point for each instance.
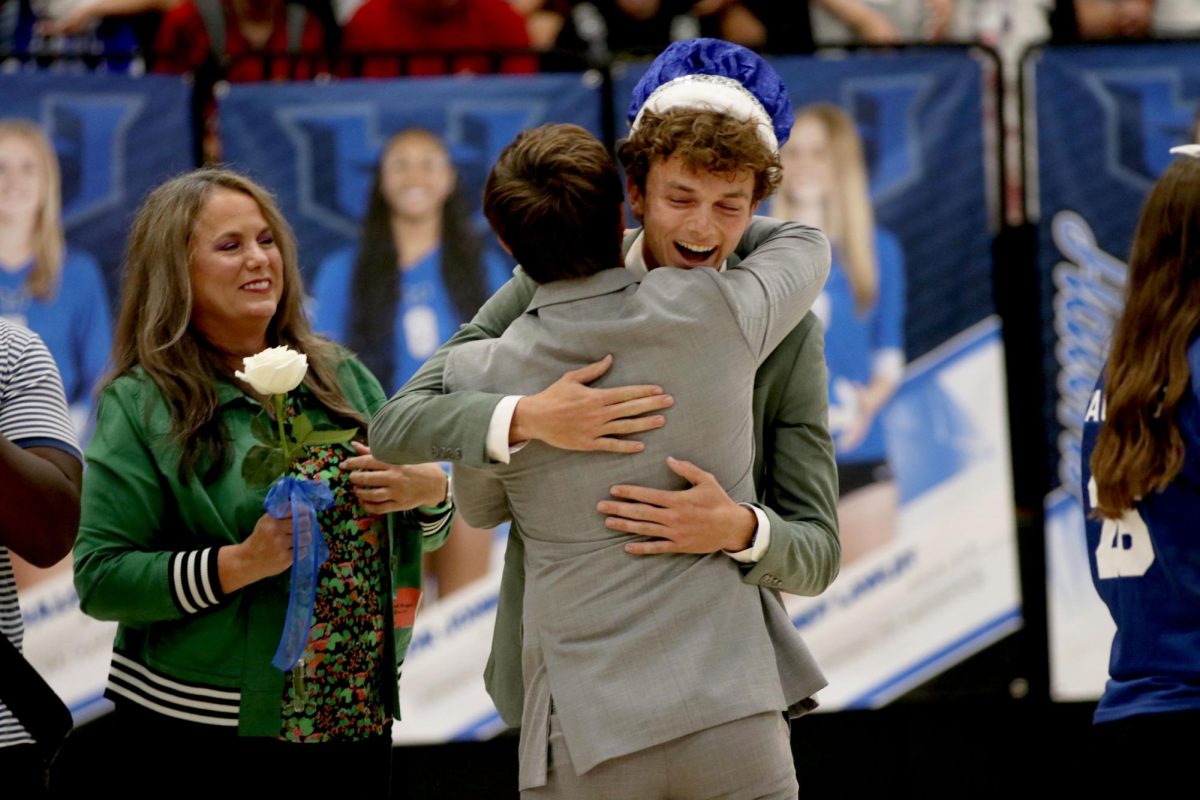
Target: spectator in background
{"type": "Point", "coordinates": [27, 28]}
{"type": "Point", "coordinates": [40, 469]}
{"type": "Point", "coordinates": [862, 307]}
{"type": "Point", "coordinates": [544, 20]}
{"type": "Point", "coordinates": [1176, 18]}
{"type": "Point", "coordinates": [143, 16]}
{"type": "Point", "coordinates": [201, 34]}
{"type": "Point", "coordinates": [1136, 19]}
{"type": "Point", "coordinates": [881, 21]}
{"type": "Point", "coordinates": [55, 290]}
{"type": "Point", "coordinates": [762, 24]}
{"type": "Point", "coordinates": [146, 15]}
{"type": "Point", "coordinates": [1114, 19]}
{"type": "Point", "coordinates": [627, 26]}
{"type": "Point", "coordinates": [419, 271]}
{"type": "Point", "coordinates": [424, 26]}
{"type": "Point", "coordinates": [600, 27]}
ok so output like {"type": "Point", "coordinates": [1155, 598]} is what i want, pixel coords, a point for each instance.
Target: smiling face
{"type": "Point", "coordinates": [807, 162]}
{"type": "Point", "coordinates": [236, 270]}
{"type": "Point", "coordinates": [417, 175]}
{"type": "Point", "coordinates": [691, 219]}
{"type": "Point", "coordinates": [22, 176]}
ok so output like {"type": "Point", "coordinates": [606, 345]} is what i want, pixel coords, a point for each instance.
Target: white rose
{"type": "Point", "coordinates": [276, 370]}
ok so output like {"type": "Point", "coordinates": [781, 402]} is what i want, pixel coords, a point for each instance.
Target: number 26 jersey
{"type": "Point", "coordinates": [1146, 568]}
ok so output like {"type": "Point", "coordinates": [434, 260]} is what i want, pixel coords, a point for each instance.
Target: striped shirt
{"type": "Point", "coordinates": [33, 413]}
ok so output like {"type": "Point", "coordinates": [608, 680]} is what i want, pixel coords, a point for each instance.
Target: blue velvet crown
{"type": "Point", "coordinates": [725, 60]}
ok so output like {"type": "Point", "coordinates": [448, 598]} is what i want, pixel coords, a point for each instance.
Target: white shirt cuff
{"type": "Point", "coordinates": [498, 428]}
{"type": "Point", "coordinates": [762, 539]}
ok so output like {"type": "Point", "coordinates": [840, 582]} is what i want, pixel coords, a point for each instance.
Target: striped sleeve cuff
{"type": "Point", "coordinates": [434, 520]}
{"type": "Point", "coordinates": [195, 583]}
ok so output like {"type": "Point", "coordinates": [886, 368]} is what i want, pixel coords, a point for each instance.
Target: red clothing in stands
{"type": "Point", "coordinates": [383, 25]}
{"type": "Point", "coordinates": [182, 45]}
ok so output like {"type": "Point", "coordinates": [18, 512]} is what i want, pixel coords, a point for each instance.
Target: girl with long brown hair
{"type": "Point", "coordinates": [418, 271]}
{"type": "Point", "coordinates": [1141, 488]}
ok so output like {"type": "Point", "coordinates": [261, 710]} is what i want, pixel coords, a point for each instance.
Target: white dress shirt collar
{"type": "Point", "coordinates": [635, 259]}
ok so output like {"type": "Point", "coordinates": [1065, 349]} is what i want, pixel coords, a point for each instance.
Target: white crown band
{"type": "Point", "coordinates": [711, 93]}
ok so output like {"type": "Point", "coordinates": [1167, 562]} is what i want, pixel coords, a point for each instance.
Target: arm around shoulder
{"type": "Point", "coordinates": [777, 283]}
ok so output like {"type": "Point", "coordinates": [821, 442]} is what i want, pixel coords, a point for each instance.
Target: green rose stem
{"type": "Point", "coordinates": [283, 442]}
{"type": "Point", "coordinates": [298, 692]}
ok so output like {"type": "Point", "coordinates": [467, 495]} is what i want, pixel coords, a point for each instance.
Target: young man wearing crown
{"type": "Point", "coordinates": [680, 188]}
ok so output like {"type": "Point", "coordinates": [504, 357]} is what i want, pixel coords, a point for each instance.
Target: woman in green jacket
{"type": "Point", "coordinates": [174, 544]}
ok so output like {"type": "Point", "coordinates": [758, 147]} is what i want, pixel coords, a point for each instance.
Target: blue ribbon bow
{"type": "Point", "coordinates": [303, 498]}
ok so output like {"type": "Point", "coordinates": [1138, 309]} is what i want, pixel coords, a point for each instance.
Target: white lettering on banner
{"type": "Point", "coordinates": [1089, 296]}
{"type": "Point", "coordinates": [48, 606]}
{"type": "Point", "coordinates": [428, 637]}
{"type": "Point", "coordinates": [442, 696]}
{"type": "Point", "coordinates": [877, 578]}
{"type": "Point", "coordinates": [872, 581]}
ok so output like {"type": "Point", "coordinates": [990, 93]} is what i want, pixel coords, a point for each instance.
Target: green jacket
{"type": "Point", "coordinates": [794, 468]}
{"type": "Point", "coordinates": [146, 558]}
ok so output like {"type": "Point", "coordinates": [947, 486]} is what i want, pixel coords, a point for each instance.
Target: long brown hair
{"type": "Point", "coordinates": [849, 218]}
{"type": "Point", "coordinates": [1140, 448]}
{"type": "Point", "coordinates": [154, 330]}
{"type": "Point", "coordinates": [47, 235]}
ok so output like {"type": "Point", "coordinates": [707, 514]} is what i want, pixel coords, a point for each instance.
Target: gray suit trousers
{"type": "Point", "coordinates": [747, 759]}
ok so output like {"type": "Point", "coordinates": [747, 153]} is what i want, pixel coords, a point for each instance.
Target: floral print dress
{"type": "Point", "coordinates": [340, 697]}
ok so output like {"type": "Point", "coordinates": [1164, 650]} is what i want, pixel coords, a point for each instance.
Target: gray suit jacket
{"type": "Point", "coordinates": [638, 651]}
{"type": "Point", "coordinates": [794, 468]}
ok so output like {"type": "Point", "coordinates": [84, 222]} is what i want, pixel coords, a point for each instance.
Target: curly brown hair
{"type": "Point", "coordinates": [707, 141]}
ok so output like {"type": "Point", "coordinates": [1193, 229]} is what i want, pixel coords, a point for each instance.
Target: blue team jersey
{"type": "Point", "coordinates": [426, 317]}
{"type": "Point", "coordinates": [73, 322]}
{"type": "Point", "coordinates": [853, 341]}
{"type": "Point", "coordinates": [1146, 568]}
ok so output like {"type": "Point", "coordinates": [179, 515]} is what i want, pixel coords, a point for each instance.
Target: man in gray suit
{"type": "Point", "coordinates": [647, 677]}
{"type": "Point", "coordinates": [787, 540]}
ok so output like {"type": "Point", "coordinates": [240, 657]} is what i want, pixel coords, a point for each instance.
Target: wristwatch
{"type": "Point", "coordinates": [445, 505]}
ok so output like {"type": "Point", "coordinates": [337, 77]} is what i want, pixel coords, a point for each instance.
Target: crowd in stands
{"type": "Point", "coordinates": [180, 35]}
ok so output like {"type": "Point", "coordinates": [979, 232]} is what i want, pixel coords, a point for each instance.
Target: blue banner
{"type": "Point", "coordinates": [116, 138]}
{"type": "Point", "coordinates": [316, 145]}
{"type": "Point", "coordinates": [1106, 118]}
